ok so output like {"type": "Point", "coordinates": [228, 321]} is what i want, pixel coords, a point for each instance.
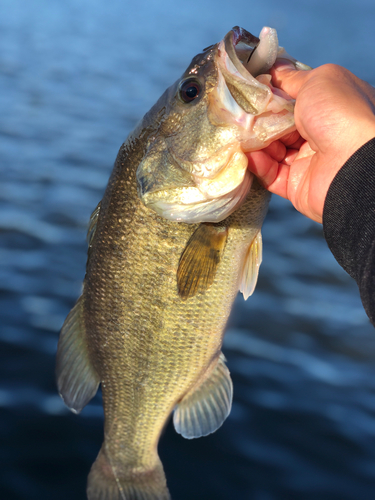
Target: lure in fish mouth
{"type": "Point", "coordinates": [195, 167]}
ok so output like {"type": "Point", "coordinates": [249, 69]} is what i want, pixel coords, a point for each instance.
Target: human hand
{"type": "Point", "coordinates": [334, 115]}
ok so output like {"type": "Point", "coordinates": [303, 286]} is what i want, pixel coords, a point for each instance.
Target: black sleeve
{"type": "Point", "coordinates": [349, 221]}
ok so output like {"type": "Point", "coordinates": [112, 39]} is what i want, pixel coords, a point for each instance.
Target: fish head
{"type": "Point", "coordinates": [224, 105]}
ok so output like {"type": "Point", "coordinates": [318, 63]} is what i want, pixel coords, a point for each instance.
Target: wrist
{"type": "Point", "coordinates": [363, 132]}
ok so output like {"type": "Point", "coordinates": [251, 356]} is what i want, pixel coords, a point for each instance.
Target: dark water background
{"type": "Point", "coordinates": [75, 76]}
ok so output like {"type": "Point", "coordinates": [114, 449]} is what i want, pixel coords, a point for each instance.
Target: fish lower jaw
{"type": "Point", "coordinates": [274, 116]}
{"type": "Point", "coordinates": [224, 109]}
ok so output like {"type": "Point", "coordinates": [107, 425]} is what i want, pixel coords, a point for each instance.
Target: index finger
{"type": "Point", "coordinates": [290, 139]}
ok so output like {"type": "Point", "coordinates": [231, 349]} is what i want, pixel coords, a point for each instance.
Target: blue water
{"type": "Point", "coordinates": [75, 77]}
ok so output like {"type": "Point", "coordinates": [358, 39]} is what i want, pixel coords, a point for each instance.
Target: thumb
{"type": "Point", "coordinates": [288, 78]}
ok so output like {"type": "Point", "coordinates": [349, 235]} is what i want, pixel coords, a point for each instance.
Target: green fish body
{"type": "Point", "coordinates": [163, 271]}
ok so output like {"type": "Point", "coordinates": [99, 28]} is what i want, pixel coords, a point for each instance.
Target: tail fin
{"type": "Point", "coordinates": [107, 482]}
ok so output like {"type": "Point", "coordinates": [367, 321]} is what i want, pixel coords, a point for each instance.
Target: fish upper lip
{"type": "Point", "coordinates": [231, 41]}
{"type": "Point", "coordinates": [240, 34]}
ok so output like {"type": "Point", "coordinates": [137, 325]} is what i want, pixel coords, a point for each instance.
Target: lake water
{"type": "Point", "coordinates": [75, 77]}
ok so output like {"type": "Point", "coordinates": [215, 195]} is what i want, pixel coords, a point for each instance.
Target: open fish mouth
{"type": "Point", "coordinates": [245, 94]}
{"type": "Point", "coordinates": [252, 55]}
{"type": "Point", "coordinates": [256, 55]}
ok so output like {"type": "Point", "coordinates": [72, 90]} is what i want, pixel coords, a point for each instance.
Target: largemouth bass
{"type": "Point", "coordinates": [175, 237]}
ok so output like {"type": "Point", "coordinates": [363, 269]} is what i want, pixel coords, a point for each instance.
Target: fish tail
{"type": "Point", "coordinates": [114, 482]}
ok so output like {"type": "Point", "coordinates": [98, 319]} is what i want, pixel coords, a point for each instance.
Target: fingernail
{"type": "Point", "coordinates": [284, 64]}
{"type": "Point", "coordinates": [288, 64]}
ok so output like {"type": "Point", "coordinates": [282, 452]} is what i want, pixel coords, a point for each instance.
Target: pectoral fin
{"type": "Point", "coordinates": [251, 265]}
{"type": "Point", "coordinates": [203, 410]}
{"type": "Point", "coordinates": [77, 380]}
{"type": "Point", "coordinates": [199, 261]}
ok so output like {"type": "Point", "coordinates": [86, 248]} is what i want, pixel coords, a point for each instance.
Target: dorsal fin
{"type": "Point", "coordinates": [199, 261]}
{"type": "Point", "coordinates": [91, 230]}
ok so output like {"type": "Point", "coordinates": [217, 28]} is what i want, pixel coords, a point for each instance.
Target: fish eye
{"type": "Point", "coordinates": [190, 90]}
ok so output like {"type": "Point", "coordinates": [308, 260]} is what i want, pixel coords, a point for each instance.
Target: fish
{"type": "Point", "coordinates": [176, 235]}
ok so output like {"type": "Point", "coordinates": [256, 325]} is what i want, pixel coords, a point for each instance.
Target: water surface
{"type": "Point", "coordinates": [75, 77]}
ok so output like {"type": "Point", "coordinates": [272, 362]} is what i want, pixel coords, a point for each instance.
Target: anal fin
{"type": "Point", "coordinates": [251, 265]}
{"type": "Point", "coordinates": [199, 261]}
{"type": "Point", "coordinates": [204, 409]}
{"type": "Point", "coordinates": [77, 380]}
